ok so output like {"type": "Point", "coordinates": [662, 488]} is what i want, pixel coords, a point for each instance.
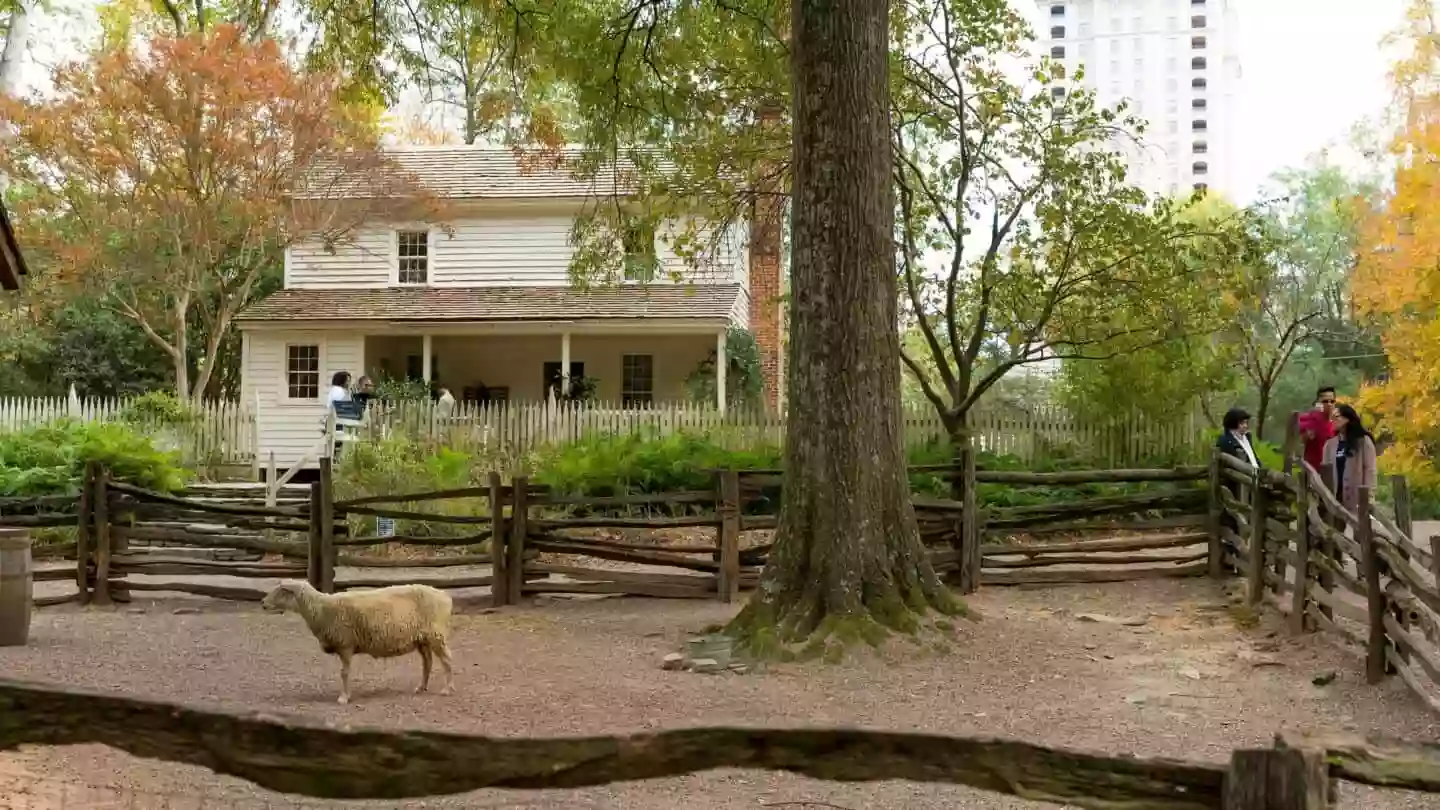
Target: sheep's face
{"type": "Point", "coordinates": [282, 598]}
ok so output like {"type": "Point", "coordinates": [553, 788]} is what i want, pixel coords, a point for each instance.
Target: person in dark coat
{"type": "Point", "coordinates": [1235, 441]}
{"type": "Point", "coordinates": [1235, 438]}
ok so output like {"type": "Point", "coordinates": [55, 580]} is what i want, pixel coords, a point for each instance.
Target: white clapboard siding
{"type": "Point", "coordinates": [222, 433]}
{"type": "Point", "coordinates": [508, 248]}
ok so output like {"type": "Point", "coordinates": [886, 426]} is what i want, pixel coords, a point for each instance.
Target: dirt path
{"type": "Point", "coordinates": [1183, 683]}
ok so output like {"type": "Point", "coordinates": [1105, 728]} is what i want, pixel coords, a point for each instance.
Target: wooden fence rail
{"type": "Point", "coordinates": [1353, 573]}
{"type": "Point", "coordinates": [535, 541]}
{"type": "Point", "coordinates": [1298, 773]}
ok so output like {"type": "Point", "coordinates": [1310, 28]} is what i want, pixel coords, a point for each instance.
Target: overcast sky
{"type": "Point", "coordinates": [1311, 70]}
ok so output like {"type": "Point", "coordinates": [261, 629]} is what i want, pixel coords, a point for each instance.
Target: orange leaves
{"type": "Point", "coordinates": [165, 173]}
{"type": "Point", "coordinates": [1397, 279]}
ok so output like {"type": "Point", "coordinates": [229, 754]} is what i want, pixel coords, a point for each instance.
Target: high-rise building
{"type": "Point", "coordinates": [1175, 62]}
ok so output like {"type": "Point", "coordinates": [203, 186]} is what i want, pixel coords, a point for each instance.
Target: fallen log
{"type": "Point", "coordinates": [292, 756]}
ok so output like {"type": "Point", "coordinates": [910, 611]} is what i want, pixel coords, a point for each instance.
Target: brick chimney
{"type": "Point", "coordinates": [766, 318]}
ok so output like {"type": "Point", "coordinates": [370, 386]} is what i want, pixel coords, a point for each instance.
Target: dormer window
{"type": "Point", "coordinates": [412, 257]}
{"type": "Point", "coordinates": [639, 243]}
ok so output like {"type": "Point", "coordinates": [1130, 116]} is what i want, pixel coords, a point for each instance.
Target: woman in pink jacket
{"type": "Point", "coordinates": [1352, 454]}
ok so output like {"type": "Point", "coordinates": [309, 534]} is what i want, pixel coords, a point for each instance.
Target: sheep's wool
{"type": "Point", "coordinates": [381, 623]}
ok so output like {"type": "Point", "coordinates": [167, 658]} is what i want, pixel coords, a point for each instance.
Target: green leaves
{"type": "Point", "coordinates": [1021, 238]}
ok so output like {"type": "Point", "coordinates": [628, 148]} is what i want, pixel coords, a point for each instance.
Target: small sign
{"type": "Point", "coordinates": [385, 527]}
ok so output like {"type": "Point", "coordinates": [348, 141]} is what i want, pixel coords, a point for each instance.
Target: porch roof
{"type": "Point", "coordinates": [492, 304]}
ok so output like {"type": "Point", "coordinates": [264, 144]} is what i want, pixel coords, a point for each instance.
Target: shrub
{"type": "Point", "coordinates": [409, 463]}
{"type": "Point", "coordinates": [617, 464]}
{"type": "Point", "coordinates": [50, 459]}
{"type": "Point", "coordinates": [158, 408]}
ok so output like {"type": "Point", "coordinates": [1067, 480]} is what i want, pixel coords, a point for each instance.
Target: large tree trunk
{"type": "Point", "coordinates": [848, 559]}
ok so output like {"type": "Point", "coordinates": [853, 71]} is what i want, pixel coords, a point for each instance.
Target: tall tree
{"type": "Point", "coordinates": [199, 159]}
{"type": "Point", "coordinates": [1196, 367]}
{"type": "Point", "coordinates": [1021, 240]}
{"type": "Point", "coordinates": [1297, 290]}
{"type": "Point", "coordinates": [848, 559]}
{"type": "Point", "coordinates": [1398, 278]}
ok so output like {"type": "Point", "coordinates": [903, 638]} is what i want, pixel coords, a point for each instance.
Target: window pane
{"type": "Point", "coordinates": [302, 372]}
{"type": "Point", "coordinates": [412, 254]}
{"type": "Point", "coordinates": [637, 379]}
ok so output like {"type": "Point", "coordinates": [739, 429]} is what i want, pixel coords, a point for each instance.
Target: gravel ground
{"type": "Point", "coordinates": [1187, 683]}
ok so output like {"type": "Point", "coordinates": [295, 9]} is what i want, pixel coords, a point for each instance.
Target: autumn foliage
{"type": "Point", "coordinates": [166, 174]}
{"type": "Point", "coordinates": [1397, 283]}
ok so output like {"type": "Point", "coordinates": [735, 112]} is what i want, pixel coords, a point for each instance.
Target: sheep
{"type": "Point", "coordinates": [380, 623]}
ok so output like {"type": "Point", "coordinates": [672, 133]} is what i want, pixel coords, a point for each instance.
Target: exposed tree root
{"type": "Point", "coordinates": [788, 624]}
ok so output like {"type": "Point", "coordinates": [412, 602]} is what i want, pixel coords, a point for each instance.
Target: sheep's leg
{"type": "Point", "coordinates": [427, 659]}
{"type": "Point", "coordinates": [345, 656]}
{"type": "Point", "coordinates": [442, 651]}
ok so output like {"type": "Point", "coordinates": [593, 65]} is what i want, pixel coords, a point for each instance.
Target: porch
{"type": "Point", "coordinates": [631, 369]}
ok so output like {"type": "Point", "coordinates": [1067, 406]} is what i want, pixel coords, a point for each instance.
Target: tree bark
{"type": "Point", "coordinates": [848, 561]}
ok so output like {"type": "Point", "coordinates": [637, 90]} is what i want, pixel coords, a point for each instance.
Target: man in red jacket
{"type": "Point", "coordinates": [1316, 426]}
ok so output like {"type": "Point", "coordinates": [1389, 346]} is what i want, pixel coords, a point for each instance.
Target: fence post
{"type": "Point", "coordinates": [100, 510]}
{"type": "Point", "coordinates": [1278, 779]}
{"type": "Point", "coordinates": [499, 581]}
{"type": "Point", "coordinates": [315, 553]}
{"type": "Point", "coordinates": [326, 570]}
{"type": "Point", "coordinates": [84, 529]}
{"type": "Point", "coordinates": [515, 549]}
{"type": "Point", "coordinates": [1302, 553]}
{"type": "Point", "coordinates": [1400, 492]}
{"type": "Point", "coordinates": [1259, 500]}
{"type": "Point", "coordinates": [727, 579]}
{"type": "Point", "coordinates": [1374, 597]}
{"type": "Point", "coordinates": [1216, 545]}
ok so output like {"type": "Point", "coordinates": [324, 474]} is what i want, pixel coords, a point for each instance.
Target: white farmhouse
{"type": "Point", "coordinates": [484, 304]}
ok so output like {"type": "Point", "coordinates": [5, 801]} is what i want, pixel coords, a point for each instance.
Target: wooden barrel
{"type": "Point", "coordinates": [16, 587]}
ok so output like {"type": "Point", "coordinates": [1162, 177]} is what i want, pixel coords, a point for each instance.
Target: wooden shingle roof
{"type": "Point", "coordinates": [490, 304]}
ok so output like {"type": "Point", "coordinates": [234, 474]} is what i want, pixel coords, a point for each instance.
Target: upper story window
{"type": "Point", "coordinates": [1199, 147]}
{"type": "Point", "coordinates": [1059, 71]}
{"type": "Point", "coordinates": [1202, 187]}
{"type": "Point", "coordinates": [1057, 32]}
{"type": "Point", "coordinates": [1057, 52]}
{"type": "Point", "coordinates": [1197, 43]}
{"type": "Point", "coordinates": [1200, 167]}
{"type": "Point", "coordinates": [1198, 21]}
{"type": "Point", "coordinates": [1197, 2]}
{"type": "Point", "coordinates": [637, 379]}
{"type": "Point", "coordinates": [1198, 125]}
{"type": "Point", "coordinates": [1057, 93]}
{"type": "Point", "coordinates": [639, 244]}
{"type": "Point", "coordinates": [1198, 82]}
{"type": "Point", "coordinates": [302, 371]}
{"type": "Point", "coordinates": [1198, 63]}
{"type": "Point", "coordinates": [412, 257]}
{"type": "Point", "coordinates": [1057, 11]}
{"type": "Point", "coordinates": [1197, 103]}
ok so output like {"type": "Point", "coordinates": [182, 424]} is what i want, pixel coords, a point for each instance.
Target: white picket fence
{"type": "Point", "coordinates": [219, 434]}
{"type": "Point", "coordinates": [1028, 435]}
{"type": "Point", "coordinates": [224, 433]}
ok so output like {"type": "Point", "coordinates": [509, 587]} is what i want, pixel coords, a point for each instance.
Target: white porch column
{"type": "Point", "coordinates": [721, 363]}
{"type": "Point", "coordinates": [564, 364]}
{"type": "Point", "coordinates": [427, 346]}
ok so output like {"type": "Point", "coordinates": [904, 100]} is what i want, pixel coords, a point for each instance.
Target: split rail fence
{"type": "Point", "coordinates": [522, 540]}
{"type": "Point", "coordinates": [1298, 773]}
{"type": "Point", "coordinates": [1354, 573]}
